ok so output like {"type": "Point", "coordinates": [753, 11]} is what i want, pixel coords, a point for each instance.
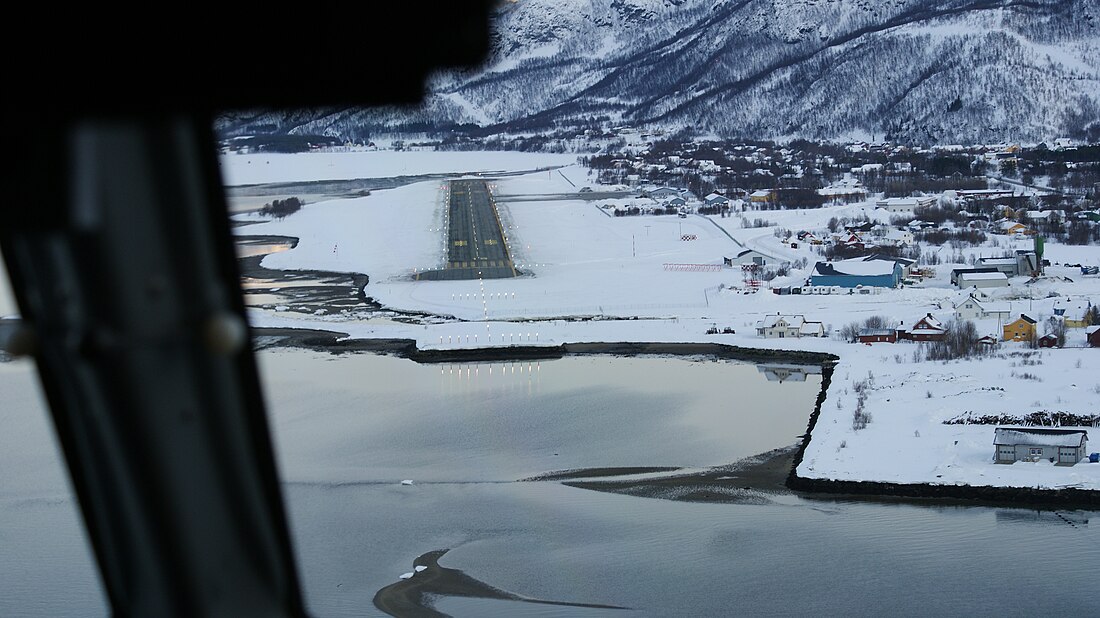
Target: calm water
{"type": "Point", "coordinates": [464, 433]}
{"type": "Point", "coordinates": [348, 429]}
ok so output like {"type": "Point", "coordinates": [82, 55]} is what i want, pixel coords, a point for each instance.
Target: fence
{"type": "Point", "coordinates": [693, 268]}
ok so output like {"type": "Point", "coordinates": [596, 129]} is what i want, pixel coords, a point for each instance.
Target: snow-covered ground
{"type": "Point", "coordinates": [257, 168]}
{"type": "Point", "coordinates": [583, 262]}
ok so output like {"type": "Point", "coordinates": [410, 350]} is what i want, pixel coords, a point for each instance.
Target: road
{"type": "Point", "coordinates": [476, 246]}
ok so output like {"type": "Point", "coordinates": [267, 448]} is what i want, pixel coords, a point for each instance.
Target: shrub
{"type": "Point", "coordinates": [282, 208]}
{"type": "Point", "coordinates": [960, 341]}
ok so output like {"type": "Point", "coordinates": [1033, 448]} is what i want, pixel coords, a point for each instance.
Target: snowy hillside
{"type": "Point", "coordinates": [907, 70]}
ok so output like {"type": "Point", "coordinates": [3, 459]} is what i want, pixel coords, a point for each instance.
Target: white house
{"type": "Point", "coordinates": [780, 326]}
{"type": "Point", "coordinates": [899, 237]}
{"type": "Point", "coordinates": [974, 308]}
{"type": "Point", "coordinates": [811, 329]}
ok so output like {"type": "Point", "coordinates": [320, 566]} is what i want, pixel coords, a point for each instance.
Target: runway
{"type": "Point", "coordinates": [476, 246]}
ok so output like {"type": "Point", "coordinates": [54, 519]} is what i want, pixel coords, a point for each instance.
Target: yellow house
{"type": "Point", "coordinates": [1074, 312]}
{"type": "Point", "coordinates": [1022, 329]}
{"type": "Point", "coordinates": [762, 196]}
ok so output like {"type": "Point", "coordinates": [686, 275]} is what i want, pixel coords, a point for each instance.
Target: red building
{"type": "Point", "coordinates": [927, 328]}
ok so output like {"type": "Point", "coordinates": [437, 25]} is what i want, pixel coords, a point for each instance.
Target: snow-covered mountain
{"type": "Point", "coordinates": [908, 70]}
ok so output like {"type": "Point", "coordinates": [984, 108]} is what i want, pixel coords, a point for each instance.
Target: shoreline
{"type": "Point", "coordinates": [772, 473]}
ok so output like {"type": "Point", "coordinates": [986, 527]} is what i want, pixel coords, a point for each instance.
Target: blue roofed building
{"type": "Point", "coordinates": [884, 273]}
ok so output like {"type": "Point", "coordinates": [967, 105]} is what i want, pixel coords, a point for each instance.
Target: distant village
{"type": "Point", "coordinates": [949, 199]}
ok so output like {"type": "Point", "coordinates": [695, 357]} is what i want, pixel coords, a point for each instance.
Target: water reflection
{"type": "Point", "coordinates": [788, 373]}
{"type": "Point", "coordinates": [253, 247]}
{"type": "Point", "coordinates": [1043, 518]}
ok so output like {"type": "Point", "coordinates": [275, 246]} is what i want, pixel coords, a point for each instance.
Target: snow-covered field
{"type": "Point", "coordinates": [583, 262]}
{"type": "Point", "coordinates": [257, 168]}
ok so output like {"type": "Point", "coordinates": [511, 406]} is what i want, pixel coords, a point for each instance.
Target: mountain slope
{"type": "Point", "coordinates": [910, 70]}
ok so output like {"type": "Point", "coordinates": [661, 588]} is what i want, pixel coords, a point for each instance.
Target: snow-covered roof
{"type": "Point", "coordinates": [1072, 307]}
{"type": "Point", "coordinates": [770, 321]}
{"type": "Point", "coordinates": [973, 269]}
{"type": "Point", "coordinates": [887, 258]}
{"type": "Point", "coordinates": [808, 328]}
{"type": "Point", "coordinates": [998, 276]}
{"type": "Point", "coordinates": [1040, 437]}
{"type": "Point", "coordinates": [845, 190]}
{"type": "Point", "coordinates": [761, 193]}
{"type": "Point", "coordinates": [857, 266]}
{"type": "Point", "coordinates": [906, 201]}
{"type": "Point", "coordinates": [1006, 261]}
{"type": "Point", "coordinates": [928, 323]}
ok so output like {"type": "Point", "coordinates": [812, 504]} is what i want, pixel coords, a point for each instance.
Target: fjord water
{"type": "Point", "coordinates": [348, 429]}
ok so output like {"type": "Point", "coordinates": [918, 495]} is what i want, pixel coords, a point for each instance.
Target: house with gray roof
{"type": "Point", "coordinates": [661, 192]}
{"type": "Point", "coordinates": [714, 199]}
{"type": "Point", "coordinates": [1062, 446]}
